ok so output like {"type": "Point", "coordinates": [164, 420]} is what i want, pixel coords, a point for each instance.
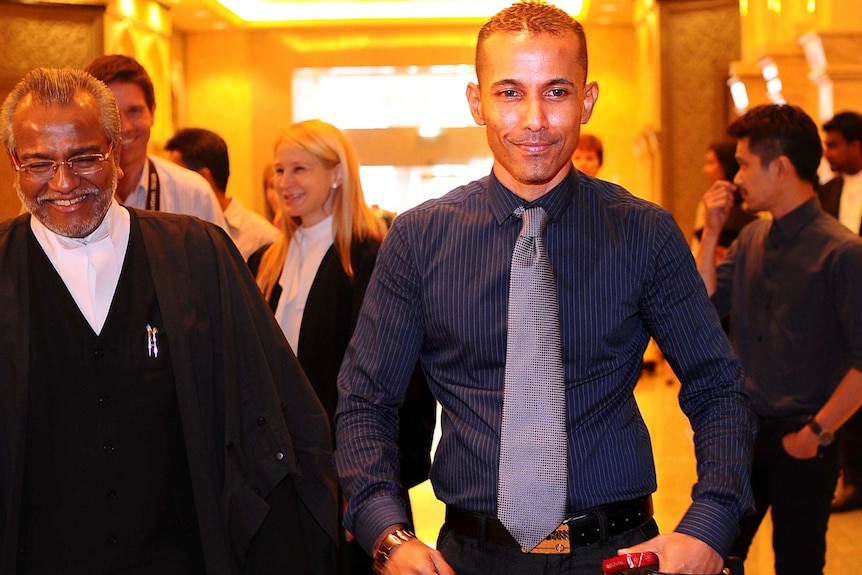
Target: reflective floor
{"type": "Point", "coordinates": [672, 443]}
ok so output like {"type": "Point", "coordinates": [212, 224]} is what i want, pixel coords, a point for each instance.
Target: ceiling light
{"type": "Point", "coordinates": [269, 11]}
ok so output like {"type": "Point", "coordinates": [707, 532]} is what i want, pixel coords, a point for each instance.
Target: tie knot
{"type": "Point", "coordinates": [534, 218]}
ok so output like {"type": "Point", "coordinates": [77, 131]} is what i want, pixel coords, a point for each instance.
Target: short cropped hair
{"type": "Point", "coordinates": [534, 17]}
{"type": "Point", "coordinates": [202, 148]}
{"type": "Point", "coordinates": [776, 130]}
{"type": "Point", "coordinates": [60, 87]}
{"type": "Point", "coordinates": [848, 123]}
{"type": "Point", "coordinates": [119, 68]}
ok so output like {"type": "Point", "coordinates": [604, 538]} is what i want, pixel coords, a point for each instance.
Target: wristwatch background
{"type": "Point", "coordinates": [825, 437]}
{"type": "Point", "coordinates": [390, 542]}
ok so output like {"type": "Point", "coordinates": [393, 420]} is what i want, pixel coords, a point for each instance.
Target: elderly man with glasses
{"type": "Point", "coordinates": [152, 417]}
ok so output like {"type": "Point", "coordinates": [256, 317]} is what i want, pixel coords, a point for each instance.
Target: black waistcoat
{"type": "Point", "coordinates": [107, 487]}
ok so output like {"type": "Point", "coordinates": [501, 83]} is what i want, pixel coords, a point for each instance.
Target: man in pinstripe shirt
{"type": "Point", "coordinates": [624, 274]}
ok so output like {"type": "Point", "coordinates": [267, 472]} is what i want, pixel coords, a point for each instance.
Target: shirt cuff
{"type": "Point", "coordinates": [712, 524]}
{"type": "Point", "coordinates": [377, 515]}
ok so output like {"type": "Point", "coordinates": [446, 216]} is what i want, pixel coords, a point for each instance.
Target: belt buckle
{"type": "Point", "coordinates": [557, 543]}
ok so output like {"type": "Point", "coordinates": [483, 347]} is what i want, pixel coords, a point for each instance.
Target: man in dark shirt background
{"type": "Point", "coordinates": [790, 285]}
{"type": "Point", "coordinates": [842, 197]}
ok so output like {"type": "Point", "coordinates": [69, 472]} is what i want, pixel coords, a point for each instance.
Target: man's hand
{"type": "Point", "coordinates": [802, 444]}
{"type": "Point", "coordinates": [415, 558]}
{"type": "Point", "coordinates": [679, 553]}
{"type": "Point", "coordinates": [718, 200]}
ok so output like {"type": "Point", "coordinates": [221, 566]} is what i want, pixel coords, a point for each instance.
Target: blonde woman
{"type": "Point", "coordinates": [315, 277]}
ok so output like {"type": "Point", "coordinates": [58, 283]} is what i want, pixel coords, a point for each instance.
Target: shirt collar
{"type": "Point", "coordinates": [115, 225]}
{"type": "Point", "coordinates": [790, 224]}
{"type": "Point", "coordinates": [503, 201]}
{"type": "Point", "coordinates": [319, 232]}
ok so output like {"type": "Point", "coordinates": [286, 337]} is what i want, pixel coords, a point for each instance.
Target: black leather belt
{"type": "Point", "coordinates": [591, 526]}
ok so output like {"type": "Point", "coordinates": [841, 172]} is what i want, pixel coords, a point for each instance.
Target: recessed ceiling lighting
{"type": "Point", "coordinates": [273, 11]}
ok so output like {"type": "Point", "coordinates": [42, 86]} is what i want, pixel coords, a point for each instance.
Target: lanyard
{"type": "Point", "coordinates": [152, 188]}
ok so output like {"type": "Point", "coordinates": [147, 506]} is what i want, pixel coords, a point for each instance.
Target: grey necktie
{"type": "Point", "coordinates": [531, 494]}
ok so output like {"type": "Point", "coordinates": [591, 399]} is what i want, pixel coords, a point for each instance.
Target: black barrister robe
{"type": "Point", "coordinates": [250, 418]}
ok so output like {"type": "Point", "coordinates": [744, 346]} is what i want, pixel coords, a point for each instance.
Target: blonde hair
{"type": "Point", "coordinates": [352, 219]}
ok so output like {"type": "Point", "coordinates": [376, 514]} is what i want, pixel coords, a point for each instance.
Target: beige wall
{"type": "Point", "coordinates": [142, 29]}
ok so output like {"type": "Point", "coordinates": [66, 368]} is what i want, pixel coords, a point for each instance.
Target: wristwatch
{"type": "Point", "coordinates": [824, 437]}
{"type": "Point", "coordinates": [390, 542]}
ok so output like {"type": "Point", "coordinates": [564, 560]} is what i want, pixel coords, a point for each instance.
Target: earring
{"type": "Point", "coordinates": [334, 186]}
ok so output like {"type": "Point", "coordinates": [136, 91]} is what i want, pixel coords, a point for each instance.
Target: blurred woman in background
{"type": "Point", "coordinates": [273, 204]}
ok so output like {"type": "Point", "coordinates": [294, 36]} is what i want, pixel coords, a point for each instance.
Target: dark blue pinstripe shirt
{"type": "Point", "coordinates": [624, 273]}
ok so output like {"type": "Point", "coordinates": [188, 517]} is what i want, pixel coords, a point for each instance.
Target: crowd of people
{"type": "Point", "coordinates": [187, 386]}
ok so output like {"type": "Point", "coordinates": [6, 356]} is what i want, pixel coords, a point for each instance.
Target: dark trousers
{"type": "Point", "coordinates": [850, 443]}
{"type": "Point", "coordinates": [798, 492]}
{"type": "Point", "coordinates": [469, 556]}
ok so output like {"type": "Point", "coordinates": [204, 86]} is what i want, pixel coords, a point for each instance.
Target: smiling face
{"type": "Point", "coordinates": [65, 203]}
{"type": "Point", "coordinates": [136, 121]}
{"type": "Point", "coordinates": [532, 100]}
{"type": "Point", "coordinates": [305, 185]}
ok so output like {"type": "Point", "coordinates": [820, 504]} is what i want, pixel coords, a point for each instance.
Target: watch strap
{"type": "Point", "coordinates": [823, 436]}
{"type": "Point", "coordinates": [390, 542]}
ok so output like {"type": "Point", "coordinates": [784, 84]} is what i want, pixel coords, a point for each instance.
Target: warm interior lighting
{"type": "Point", "coordinates": [269, 11]}
{"type": "Point", "coordinates": [768, 68]}
{"type": "Point", "coordinates": [739, 94]}
{"type": "Point", "coordinates": [815, 55]}
{"type": "Point", "coordinates": [127, 8]}
{"type": "Point", "coordinates": [773, 88]}
{"type": "Point", "coordinates": [430, 131]}
{"type": "Point", "coordinates": [154, 17]}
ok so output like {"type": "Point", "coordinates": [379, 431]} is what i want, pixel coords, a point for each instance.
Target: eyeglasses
{"type": "Point", "coordinates": [83, 165]}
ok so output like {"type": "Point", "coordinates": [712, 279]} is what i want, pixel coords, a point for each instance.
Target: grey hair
{"type": "Point", "coordinates": [59, 87]}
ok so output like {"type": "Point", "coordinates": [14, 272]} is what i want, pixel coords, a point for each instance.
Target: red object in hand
{"type": "Point", "coordinates": [625, 564]}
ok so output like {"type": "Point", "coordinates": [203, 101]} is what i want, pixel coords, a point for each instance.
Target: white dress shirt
{"type": "Point", "coordinates": [304, 256]}
{"type": "Point", "coordinates": [249, 230]}
{"type": "Point", "coordinates": [72, 258]}
{"type": "Point", "coordinates": [181, 191]}
{"type": "Point", "coordinates": [850, 207]}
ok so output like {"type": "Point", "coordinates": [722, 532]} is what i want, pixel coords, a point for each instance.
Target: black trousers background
{"type": "Point", "coordinates": [850, 441]}
{"type": "Point", "coordinates": [798, 492]}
